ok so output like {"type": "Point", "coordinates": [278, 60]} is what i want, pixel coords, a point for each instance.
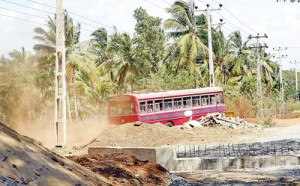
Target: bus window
{"type": "Point", "coordinates": [168, 105]}
{"type": "Point", "coordinates": [113, 109]}
{"type": "Point", "coordinates": [196, 101]}
{"type": "Point", "coordinates": [204, 100]}
{"type": "Point", "coordinates": [220, 99]}
{"type": "Point", "coordinates": [128, 108]}
{"type": "Point", "coordinates": [158, 105]}
{"type": "Point", "coordinates": [212, 99]}
{"type": "Point", "coordinates": [187, 102]}
{"type": "Point", "coordinates": [150, 106]}
{"type": "Point", "coordinates": [177, 103]}
{"type": "Point", "coordinates": [143, 107]}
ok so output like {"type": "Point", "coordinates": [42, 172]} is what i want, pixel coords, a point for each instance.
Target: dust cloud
{"type": "Point", "coordinates": [79, 132]}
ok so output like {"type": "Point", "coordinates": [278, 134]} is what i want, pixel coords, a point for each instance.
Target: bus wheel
{"type": "Point", "coordinates": [169, 124]}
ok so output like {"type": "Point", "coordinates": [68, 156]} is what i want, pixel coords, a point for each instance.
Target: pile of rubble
{"type": "Point", "coordinates": [220, 120]}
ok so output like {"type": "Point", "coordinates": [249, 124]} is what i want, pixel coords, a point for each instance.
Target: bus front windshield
{"type": "Point", "coordinates": [121, 108]}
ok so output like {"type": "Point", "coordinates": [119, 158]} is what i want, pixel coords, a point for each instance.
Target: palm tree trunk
{"type": "Point", "coordinates": [75, 97]}
{"type": "Point", "coordinates": [131, 87]}
{"type": "Point", "coordinates": [68, 103]}
{"type": "Point", "coordinates": [195, 79]}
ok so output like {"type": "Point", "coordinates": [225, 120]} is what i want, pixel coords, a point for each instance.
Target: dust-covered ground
{"type": "Point", "coordinates": [154, 135]}
{"type": "Point", "coordinates": [95, 133]}
{"type": "Point", "coordinates": [286, 175]}
{"type": "Point", "coordinates": [24, 161]}
{"type": "Point", "coordinates": [78, 132]}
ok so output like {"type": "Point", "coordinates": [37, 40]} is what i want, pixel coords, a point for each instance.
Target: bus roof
{"type": "Point", "coordinates": [174, 93]}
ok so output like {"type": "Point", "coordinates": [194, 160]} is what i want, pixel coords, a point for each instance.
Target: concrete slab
{"type": "Point", "coordinates": [166, 157]}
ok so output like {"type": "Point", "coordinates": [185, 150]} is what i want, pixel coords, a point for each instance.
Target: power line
{"type": "Point", "coordinates": [153, 4]}
{"type": "Point", "coordinates": [90, 31]}
{"type": "Point", "coordinates": [252, 30]}
{"type": "Point", "coordinates": [73, 13]}
{"type": "Point", "coordinates": [43, 17]}
{"type": "Point", "coordinates": [22, 13]}
{"type": "Point", "coordinates": [90, 19]}
{"type": "Point", "coordinates": [42, 4]}
{"type": "Point", "coordinates": [85, 23]}
{"type": "Point", "coordinates": [248, 27]}
{"type": "Point", "coordinates": [166, 2]}
{"type": "Point", "coordinates": [247, 33]}
{"type": "Point", "coordinates": [202, 2]}
{"type": "Point", "coordinates": [293, 47]}
{"type": "Point", "coordinates": [239, 20]}
{"type": "Point", "coordinates": [22, 19]}
{"type": "Point", "coordinates": [28, 7]}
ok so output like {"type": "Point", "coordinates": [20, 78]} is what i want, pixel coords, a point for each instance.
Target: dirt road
{"type": "Point", "coordinates": [154, 135]}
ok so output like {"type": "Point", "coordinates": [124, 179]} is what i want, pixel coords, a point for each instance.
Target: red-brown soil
{"type": "Point", "coordinates": [124, 169]}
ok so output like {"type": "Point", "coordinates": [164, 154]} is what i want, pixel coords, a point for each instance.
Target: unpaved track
{"type": "Point", "coordinates": [264, 176]}
{"type": "Point", "coordinates": [154, 135]}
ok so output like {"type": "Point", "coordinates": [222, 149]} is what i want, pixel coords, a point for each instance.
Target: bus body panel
{"type": "Point", "coordinates": [121, 119]}
{"type": "Point", "coordinates": [177, 117]}
{"type": "Point", "coordinates": [127, 108]}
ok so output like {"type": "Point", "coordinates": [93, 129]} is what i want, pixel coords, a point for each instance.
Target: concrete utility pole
{"type": "Point", "coordinates": [60, 123]}
{"type": "Point", "coordinates": [258, 82]}
{"type": "Point", "coordinates": [220, 25]}
{"type": "Point", "coordinates": [296, 78]}
{"type": "Point", "coordinates": [279, 49]}
{"type": "Point", "coordinates": [208, 12]}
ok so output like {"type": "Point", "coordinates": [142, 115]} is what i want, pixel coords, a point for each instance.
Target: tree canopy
{"type": "Point", "coordinates": [159, 55]}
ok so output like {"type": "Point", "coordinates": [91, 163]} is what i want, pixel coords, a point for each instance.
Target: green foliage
{"type": "Point", "coordinates": [188, 44]}
{"type": "Point", "coordinates": [149, 40]}
{"type": "Point", "coordinates": [152, 59]}
{"type": "Point", "coordinates": [248, 88]}
{"type": "Point", "coordinates": [18, 96]}
{"type": "Point", "coordinates": [165, 81]}
{"type": "Point", "coordinates": [268, 121]}
{"type": "Point", "coordinates": [292, 105]}
{"type": "Point", "coordinates": [289, 84]}
{"type": "Point", "coordinates": [99, 41]}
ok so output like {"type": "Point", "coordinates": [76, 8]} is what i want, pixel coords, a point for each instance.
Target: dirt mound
{"type": "Point", "coordinates": [154, 135]}
{"type": "Point", "coordinates": [24, 161]}
{"type": "Point", "coordinates": [122, 169]}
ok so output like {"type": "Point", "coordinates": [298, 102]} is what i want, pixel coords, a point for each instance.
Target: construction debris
{"type": "Point", "coordinates": [220, 120]}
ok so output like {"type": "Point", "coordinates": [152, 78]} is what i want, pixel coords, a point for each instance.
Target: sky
{"type": "Point", "coordinates": [279, 20]}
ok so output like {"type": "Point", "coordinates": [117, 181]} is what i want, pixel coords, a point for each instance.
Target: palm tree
{"type": "Point", "coordinates": [267, 71]}
{"type": "Point", "coordinates": [99, 44]}
{"type": "Point", "coordinates": [223, 56]}
{"type": "Point", "coordinates": [123, 59]}
{"type": "Point", "coordinates": [241, 65]}
{"type": "Point", "coordinates": [17, 83]}
{"type": "Point", "coordinates": [182, 27]}
{"type": "Point", "coordinates": [46, 50]}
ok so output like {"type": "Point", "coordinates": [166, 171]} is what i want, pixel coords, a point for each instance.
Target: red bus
{"type": "Point", "coordinates": [166, 107]}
